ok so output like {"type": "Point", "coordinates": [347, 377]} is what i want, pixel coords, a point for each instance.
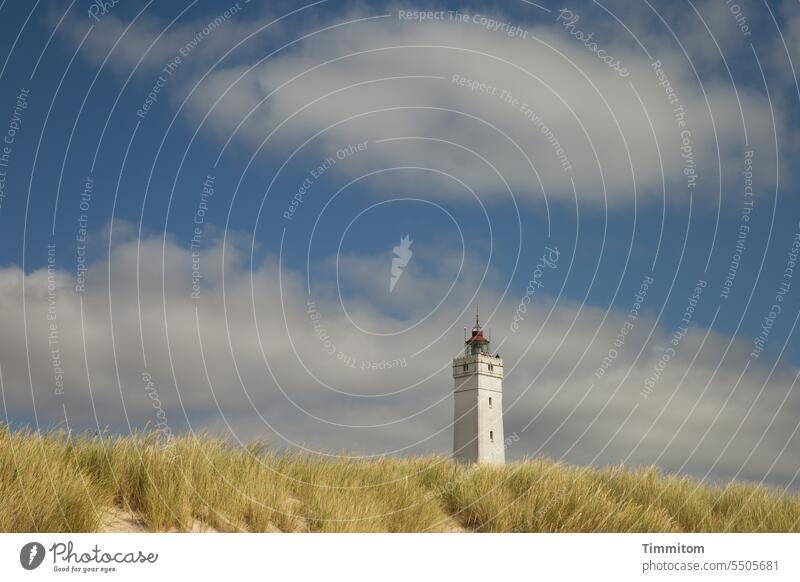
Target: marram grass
{"type": "Point", "coordinates": [56, 483]}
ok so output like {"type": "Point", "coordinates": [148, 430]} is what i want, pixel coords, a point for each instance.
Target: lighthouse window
{"type": "Point", "coordinates": [490, 401]}
{"type": "Point", "coordinates": [466, 367]}
{"type": "Point", "coordinates": [491, 436]}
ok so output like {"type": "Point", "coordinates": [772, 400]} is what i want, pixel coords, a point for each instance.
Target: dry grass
{"type": "Point", "coordinates": [54, 483]}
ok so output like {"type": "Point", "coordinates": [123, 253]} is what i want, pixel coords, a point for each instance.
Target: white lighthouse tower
{"type": "Point", "coordinates": [478, 416]}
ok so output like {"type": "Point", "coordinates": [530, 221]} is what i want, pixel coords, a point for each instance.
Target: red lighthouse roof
{"type": "Point", "coordinates": [477, 335]}
{"type": "Point", "coordinates": [477, 343]}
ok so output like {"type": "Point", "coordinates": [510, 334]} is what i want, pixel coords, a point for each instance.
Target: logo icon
{"type": "Point", "coordinates": [31, 555]}
{"type": "Point", "coordinates": [402, 256]}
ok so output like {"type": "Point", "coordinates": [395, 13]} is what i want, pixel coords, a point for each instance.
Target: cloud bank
{"type": "Point", "coordinates": [253, 355]}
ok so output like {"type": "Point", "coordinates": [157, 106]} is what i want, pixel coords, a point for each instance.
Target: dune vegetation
{"type": "Point", "coordinates": [54, 482]}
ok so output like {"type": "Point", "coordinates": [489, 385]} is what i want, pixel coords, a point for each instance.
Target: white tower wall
{"type": "Point", "coordinates": [478, 412]}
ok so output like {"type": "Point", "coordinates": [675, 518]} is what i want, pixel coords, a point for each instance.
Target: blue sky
{"type": "Point", "coordinates": [266, 95]}
{"type": "Point", "coordinates": [84, 109]}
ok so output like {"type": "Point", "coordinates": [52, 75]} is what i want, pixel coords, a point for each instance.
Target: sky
{"type": "Point", "coordinates": [203, 207]}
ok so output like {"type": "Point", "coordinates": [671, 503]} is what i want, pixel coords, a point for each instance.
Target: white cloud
{"type": "Point", "coordinates": [345, 82]}
{"type": "Point", "coordinates": [595, 116]}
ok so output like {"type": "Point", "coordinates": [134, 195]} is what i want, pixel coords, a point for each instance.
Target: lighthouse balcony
{"type": "Point", "coordinates": [483, 356]}
{"type": "Point", "coordinates": [483, 364]}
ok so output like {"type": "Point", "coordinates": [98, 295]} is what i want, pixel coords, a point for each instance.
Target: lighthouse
{"type": "Point", "coordinates": [478, 396]}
